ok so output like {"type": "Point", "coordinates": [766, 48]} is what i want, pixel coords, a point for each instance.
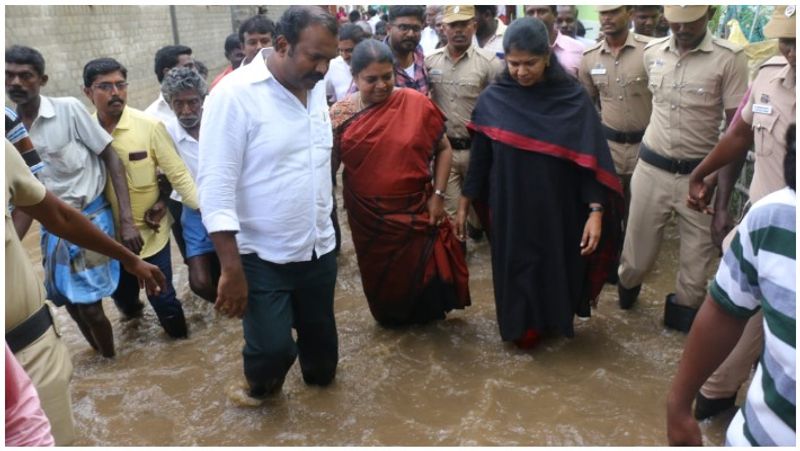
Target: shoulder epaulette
{"type": "Point", "coordinates": [735, 48]}
{"type": "Point", "coordinates": [656, 41]}
{"type": "Point", "coordinates": [775, 61]}
{"type": "Point", "coordinates": [594, 47]}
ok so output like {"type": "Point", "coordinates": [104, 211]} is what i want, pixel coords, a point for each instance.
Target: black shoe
{"type": "Point", "coordinates": [175, 325]}
{"type": "Point", "coordinates": [678, 317]}
{"type": "Point", "coordinates": [627, 296]}
{"type": "Point", "coordinates": [475, 233]}
{"type": "Point", "coordinates": [707, 408]}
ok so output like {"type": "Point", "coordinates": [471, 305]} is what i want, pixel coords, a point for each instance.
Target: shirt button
{"type": "Point", "coordinates": [616, 63]}
{"type": "Point", "coordinates": [617, 79]}
{"type": "Point", "coordinates": [679, 64]}
{"type": "Point", "coordinates": [620, 97]}
{"type": "Point", "coordinates": [673, 107]}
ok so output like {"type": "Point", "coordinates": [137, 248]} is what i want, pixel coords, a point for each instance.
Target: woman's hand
{"type": "Point", "coordinates": [591, 232]}
{"type": "Point", "coordinates": [435, 210]}
{"type": "Point", "coordinates": [460, 223]}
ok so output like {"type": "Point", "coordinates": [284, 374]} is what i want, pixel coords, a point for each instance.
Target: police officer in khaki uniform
{"type": "Point", "coordinates": [458, 73]}
{"type": "Point", "coordinates": [613, 73]}
{"type": "Point", "coordinates": [31, 332]}
{"type": "Point", "coordinates": [695, 78]}
{"type": "Point", "coordinates": [766, 114]}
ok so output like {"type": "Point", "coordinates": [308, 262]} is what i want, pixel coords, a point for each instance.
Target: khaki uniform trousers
{"type": "Point", "coordinates": [47, 363]}
{"type": "Point", "coordinates": [735, 370]}
{"type": "Point", "coordinates": [655, 194]}
{"type": "Point", "coordinates": [455, 181]}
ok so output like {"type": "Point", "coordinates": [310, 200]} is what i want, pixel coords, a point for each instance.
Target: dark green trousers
{"type": "Point", "coordinates": [281, 298]}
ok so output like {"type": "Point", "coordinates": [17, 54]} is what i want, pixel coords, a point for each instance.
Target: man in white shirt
{"type": "Point", "coordinates": [430, 38]}
{"type": "Point", "coordinates": [374, 18]}
{"type": "Point", "coordinates": [265, 193]}
{"type": "Point", "coordinates": [167, 58]}
{"type": "Point", "coordinates": [339, 80]}
{"type": "Point", "coordinates": [184, 90]}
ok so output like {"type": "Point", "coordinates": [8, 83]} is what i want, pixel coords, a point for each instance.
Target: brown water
{"type": "Point", "coordinates": [449, 383]}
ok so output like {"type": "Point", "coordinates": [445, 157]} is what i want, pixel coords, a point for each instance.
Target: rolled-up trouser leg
{"type": "Point", "coordinates": [314, 320]}
{"type": "Point", "coordinates": [269, 349]}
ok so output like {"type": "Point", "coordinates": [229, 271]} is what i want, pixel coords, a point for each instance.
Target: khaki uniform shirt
{"type": "Point", "coordinates": [456, 85]}
{"type": "Point", "coordinates": [620, 84]}
{"type": "Point", "coordinates": [691, 93]}
{"type": "Point", "coordinates": [769, 110]}
{"type": "Point", "coordinates": [24, 291]}
{"type": "Point", "coordinates": [143, 145]}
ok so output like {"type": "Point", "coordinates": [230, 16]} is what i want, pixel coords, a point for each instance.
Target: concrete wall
{"type": "Point", "coordinates": [70, 36]}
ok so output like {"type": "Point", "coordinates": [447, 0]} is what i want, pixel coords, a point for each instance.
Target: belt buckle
{"type": "Point", "coordinates": [680, 166]}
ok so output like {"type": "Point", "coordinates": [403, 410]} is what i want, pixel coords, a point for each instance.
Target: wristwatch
{"type": "Point", "coordinates": [596, 209]}
{"type": "Point", "coordinates": [439, 193]}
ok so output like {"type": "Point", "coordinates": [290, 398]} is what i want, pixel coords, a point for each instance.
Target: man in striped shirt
{"type": "Point", "coordinates": [756, 272]}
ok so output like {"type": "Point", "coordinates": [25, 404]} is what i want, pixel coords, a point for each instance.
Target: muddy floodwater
{"type": "Point", "coordinates": [449, 383]}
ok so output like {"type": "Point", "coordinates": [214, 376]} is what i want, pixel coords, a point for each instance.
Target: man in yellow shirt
{"type": "Point", "coordinates": [143, 145]}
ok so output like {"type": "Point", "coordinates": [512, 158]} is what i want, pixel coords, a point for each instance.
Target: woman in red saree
{"type": "Point", "coordinates": [412, 266]}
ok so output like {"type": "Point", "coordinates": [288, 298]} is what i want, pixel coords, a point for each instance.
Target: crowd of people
{"type": "Point", "coordinates": [449, 126]}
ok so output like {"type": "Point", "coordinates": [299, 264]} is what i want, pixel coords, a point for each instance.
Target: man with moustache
{"type": "Point", "coordinates": [765, 116]}
{"type": "Point", "coordinates": [265, 192]}
{"type": "Point", "coordinates": [459, 72]}
{"type": "Point", "coordinates": [646, 19]}
{"type": "Point", "coordinates": [613, 73]}
{"type": "Point", "coordinates": [403, 35]}
{"type": "Point", "coordinates": [567, 50]}
{"type": "Point", "coordinates": [143, 145]}
{"type": "Point", "coordinates": [255, 33]}
{"type": "Point", "coordinates": [184, 90]}
{"type": "Point", "coordinates": [490, 30]}
{"type": "Point", "coordinates": [567, 23]}
{"type": "Point", "coordinates": [78, 159]}
{"type": "Point", "coordinates": [696, 80]}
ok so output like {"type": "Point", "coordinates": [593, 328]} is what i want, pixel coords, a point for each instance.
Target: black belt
{"type": "Point", "coordinates": [460, 143]}
{"type": "Point", "coordinates": [29, 330]}
{"type": "Point", "coordinates": [667, 164]}
{"type": "Point", "coordinates": [622, 137]}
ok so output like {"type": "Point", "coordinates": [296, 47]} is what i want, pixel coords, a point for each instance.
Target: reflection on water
{"type": "Point", "coordinates": [449, 383]}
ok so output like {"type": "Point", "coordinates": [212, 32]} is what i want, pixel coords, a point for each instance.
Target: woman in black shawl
{"type": "Point", "coordinates": [541, 164]}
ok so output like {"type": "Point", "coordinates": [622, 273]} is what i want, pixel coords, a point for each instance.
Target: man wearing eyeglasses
{"type": "Point", "coordinates": [143, 144]}
{"type": "Point", "coordinates": [77, 154]}
{"type": "Point", "coordinates": [403, 35]}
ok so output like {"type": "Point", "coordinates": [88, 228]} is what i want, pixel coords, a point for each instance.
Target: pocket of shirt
{"type": "Point", "coordinates": [71, 158]}
{"type": "Point", "coordinates": [763, 126]}
{"type": "Point", "coordinates": [702, 93]}
{"type": "Point", "coordinates": [655, 85]}
{"type": "Point", "coordinates": [321, 129]}
{"type": "Point", "coordinates": [636, 86]}
{"type": "Point", "coordinates": [141, 173]}
{"type": "Point", "coordinates": [600, 81]}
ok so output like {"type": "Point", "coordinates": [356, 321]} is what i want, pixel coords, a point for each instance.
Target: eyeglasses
{"type": "Point", "coordinates": [108, 87]}
{"type": "Point", "coordinates": [405, 28]}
